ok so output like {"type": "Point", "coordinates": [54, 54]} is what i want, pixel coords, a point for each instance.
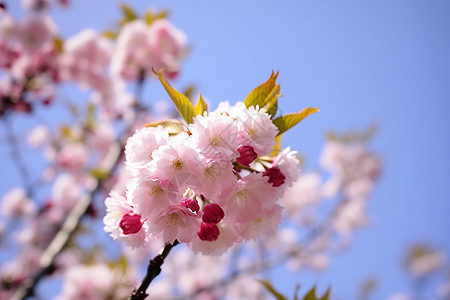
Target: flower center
{"type": "Point", "coordinates": [210, 173]}
{"type": "Point", "coordinates": [177, 164]}
{"type": "Point", "coordinates": [172, 219]}
{"type": "Point", "coordinates": [155, 191]}
{"type": "Point", "coordinates": [214, 140]}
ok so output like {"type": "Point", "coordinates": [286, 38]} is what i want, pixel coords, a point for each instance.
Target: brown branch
{"type": "Point", "coordinates": [16, 156]}
{"type": "Point", "coordinates": [153, 270]}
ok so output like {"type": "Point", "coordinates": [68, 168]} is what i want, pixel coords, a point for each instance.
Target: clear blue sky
{"type": "Point", "coordinates": [361, 62]}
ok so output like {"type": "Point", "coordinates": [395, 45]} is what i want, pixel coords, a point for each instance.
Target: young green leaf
{"type": "Point", "coordinates": [151, 16]}
{"type": "Point", "coordinates": [326, 296]}
{"type": "Point", "coordinates": [311, 295]}
{"type": "Point", "coordinates": [109, 34]}
{"type": "Point", "coordinates": [182, 103]}
{"type": "Point", "coordinates": [265, 95]}
{"type": "Point", "coordinates": [128, 14]}
{"type": "Point", "coordinates": [272, 290]}
{"type": "Point", "coordinates": [288, 121]}
{"type": "Point", "coordinates": [58, 45]}
{"type": "Point", "coordinates": [172, 126]}
{"type": "Point", "coordinates": [201, 106]}
{"type": "Point", "coordinates": [277, 148]}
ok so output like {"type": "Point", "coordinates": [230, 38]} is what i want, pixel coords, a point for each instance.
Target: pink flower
{"type": "Point", "coordinates": [212, 213]}
{"type": "Point", "coordinates": [215, 177]}
{"type": "Point", "coordinates": [175, 223]}
{"type": "Point", "coordinates": [16, 204]}
{"type": "Point", "coordinates": [149, 196]}
{"type": "Point", "coordinates": [289, 165]}
{"type": "Point", "coordinates": [276, 177]}
{"type": "Point", "coordinates": [245, 200]}
{"type": "Point", "coordinates": [85, 57]}
{"type": "Point", "coordinates": [167, 44]}
{"type": "Point", "coordinates": [35, 31]}
{"type": "Point", "coordinates": [247, 155]}
{"type": "Point", "coordinates": [178, 157]}
{"type": "Point", "coordinates": [255, 127]}
{"type": "Point", "coordinates": [140, 146]}
{"type": "Point", "coordinates": [116, 208]}
{"type": "Point", "coordinates": [208, 232]}
{"type": "Point", "coordinates": [130, 223]}
{"type": "Point", "coordinates": [227, 237]}
{"type": "Point", "coordinates": [216, 136]}
{"type": "Point", "coordinates": [265, 223]}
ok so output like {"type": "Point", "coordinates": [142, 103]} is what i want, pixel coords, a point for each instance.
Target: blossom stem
{"type": "Point", "coordinates": [17, 157]}
{"type": "Point", "coordinates": [153, 270]}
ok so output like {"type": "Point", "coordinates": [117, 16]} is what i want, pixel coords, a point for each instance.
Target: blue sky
{"type": "Point", "coordinates": [361, 62]}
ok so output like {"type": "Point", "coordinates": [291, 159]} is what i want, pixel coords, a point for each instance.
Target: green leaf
{"type": "Point", "coordinates": [58, 45]}
{"type": "Point", "coordinates": [109, 34]}
{"type": "Point", "coordinates": [151, 16]}
{"type": "Point", "coordinates": [99, 174]}
{"type": "Point", "coordinates": [286, 122]}
{"type": "Point", "coordinates": [277, 148]}
{"type": "Point", "coordinates": [311, 295]}
{"type": "Point", "coordinates": [201, 106]}
{"type": "Point", "coordinates": [272, 290]}
{"type": "Point", "coordinates": [189, 91]}
{"type": "Point", "coordinates": [182, 103]}
{"type": "Point", "coordinates": [172, 126]}
{"type": "Point", "coordinates": [128, 14]}
{"type": "Point", "coordinates": [265, 95]}
{"type": "Point", "coordinates": [326, 296]}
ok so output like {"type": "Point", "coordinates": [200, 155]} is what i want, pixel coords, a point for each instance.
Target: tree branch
{"type": "Point", "coordinates": [153, 270]}
{"type": "Point", "coordinates": [17, 157]}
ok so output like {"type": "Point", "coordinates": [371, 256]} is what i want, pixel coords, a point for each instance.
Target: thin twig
{"type": "Point", "coordinates": [46, 262]}
{"type": "Point", "coordinates": [17, 157]}
{"type": "Point", "coordinates": [153, 270]}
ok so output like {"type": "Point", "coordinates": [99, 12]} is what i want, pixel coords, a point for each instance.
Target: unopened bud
{"type": "Point", "coordinates": [130, 224]}
{"type": "Point", "coordinates": [247, 155]}
{"type": "Point", "coordinates": [212, 213]}
{"type": "Point", "coordinates": [276, 177]}
{"type": "Point", "coordinates": [191, 204]}
{"type": "Point", "coordinates": [208, 232]}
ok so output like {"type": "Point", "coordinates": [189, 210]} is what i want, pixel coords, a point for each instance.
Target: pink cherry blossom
{"type": "Point", "coordinates": [16, 204]}
{"type": "Point", "coordinates": [216, 136]}
{"type": "Point", "coordinates": [175, 223]}
{"type": "Point", "coordinates": [140, 147]}
{"type": "Point", "coordinates": [35, 31]}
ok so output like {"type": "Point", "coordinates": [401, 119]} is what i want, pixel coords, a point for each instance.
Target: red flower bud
{"type": "Point", "coordinates": [248, 155]}
{"type": "Point", "coordinates": [276, 177]}
{"type": "Point", "coordinates": [208, 232]}
{"type": "Point", "coordinates": [130, 224]}
{"type": "Point", "coordinates": [212, 213]}
{"type": "Point", "coordinates": [191, 204]}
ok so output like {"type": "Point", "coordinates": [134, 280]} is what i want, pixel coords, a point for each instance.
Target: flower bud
{"type": "Point", "coordinates": [276, 177]}
{"type": "Point", "coordinates": [208, 232]}
{"type": "Point", "coordinates": [130, 224]}
{"type": "Point", "coordinates": [191, 204]}
{"type": "Point", "coordinates": [248, 155]}
{"type": "Point", "coordinates": [212, 213]}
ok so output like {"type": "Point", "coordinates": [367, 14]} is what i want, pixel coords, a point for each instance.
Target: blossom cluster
{"type": "Point", "coordinates": [210, 186]}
